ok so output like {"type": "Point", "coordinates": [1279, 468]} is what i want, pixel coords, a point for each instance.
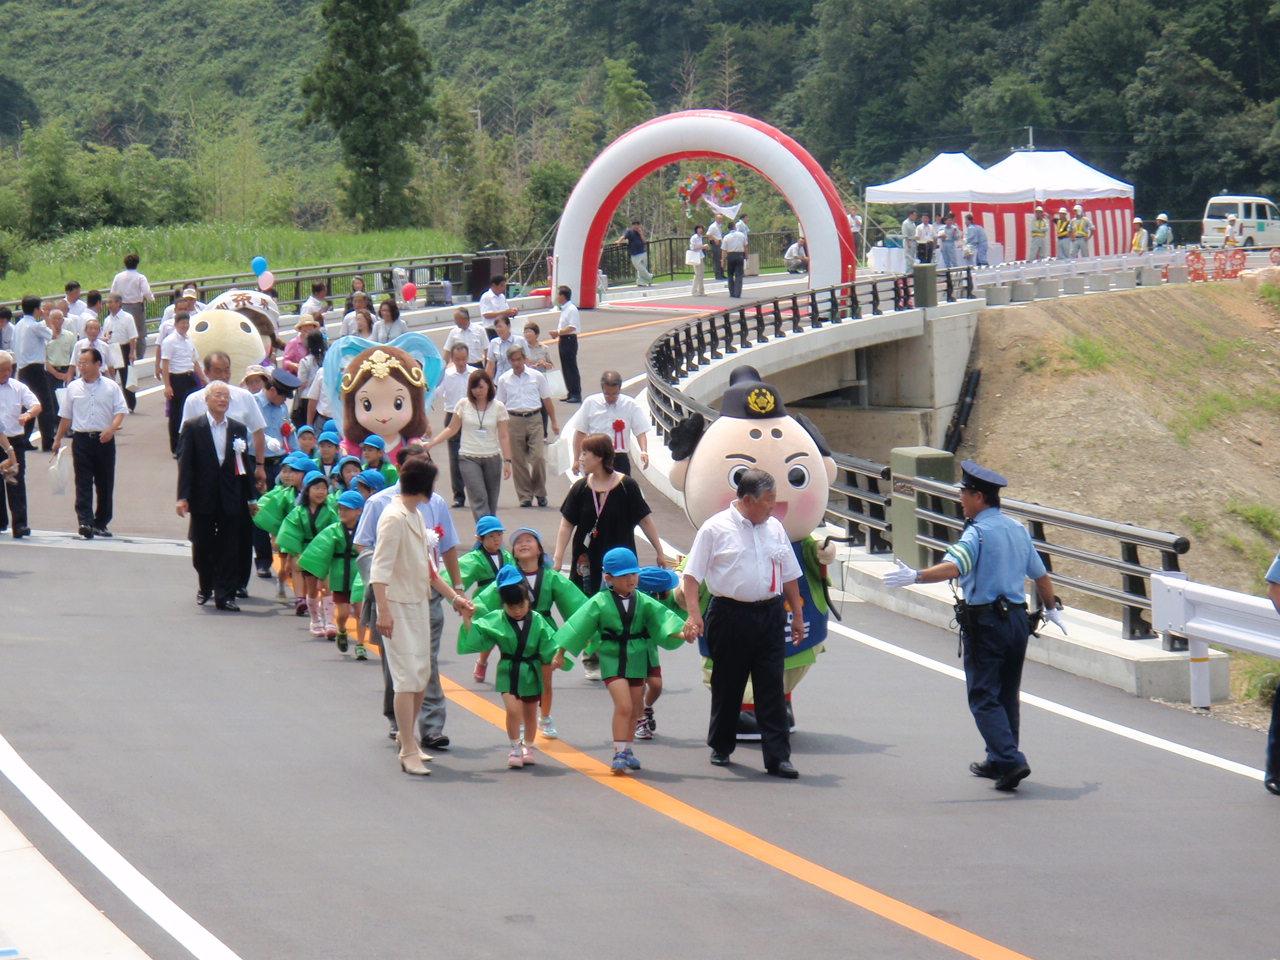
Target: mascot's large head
{"type": "Point", "coordinates": [753, 430]}
{"type": "Point", "coordinates": [382, 389]}
{"type": "Point", "coordinates": [240, 323]}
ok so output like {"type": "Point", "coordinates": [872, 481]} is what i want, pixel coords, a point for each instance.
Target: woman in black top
{"type": "Point", "coordinates": [601, 512]}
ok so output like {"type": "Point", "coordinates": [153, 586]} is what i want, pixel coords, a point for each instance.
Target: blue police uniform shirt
{"type": "Point", "coordinates": [1273, 573]}
{"type": "Point", "coordinates": [995, 557]}
{"type": "Point", "coordinates": [274, 415]}
{"type": "Point", "coordinates": [435, 514]}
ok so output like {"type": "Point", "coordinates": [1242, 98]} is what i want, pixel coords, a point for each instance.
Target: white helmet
{"type": "Point", "coordinates": [1062, 209]}
{"type": "Point", "coordinates": [1078, 209]}
{"type": "Point", "coordinates": [1231, 216]}
{"type": "Point", "coordinates": [1039, 209]}
{"type": "Point", "coordinates": [1137, 219]}
{"type": "Point", "coordinates": [1163, 216]}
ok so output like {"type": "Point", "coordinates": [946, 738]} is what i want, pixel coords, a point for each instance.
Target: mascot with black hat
{"type": "Point", "coordinates": [755, 430]}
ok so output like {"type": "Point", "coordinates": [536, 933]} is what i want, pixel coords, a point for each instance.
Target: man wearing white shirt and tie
{"type": "Point", "coordinates": [744, 557]}
{"type": "Point", "coordinates": [618, 417]}
{"type": "Point", "coordinates": [470, 334]}
{"type": "Point", "coordinates": [453, 388]}
{"type": "Point", "coordinates": [566, 336]}
{"type": "Point", "coordinates": [525, 393]}
{"type": "Point", "coordinates": [92, 410]}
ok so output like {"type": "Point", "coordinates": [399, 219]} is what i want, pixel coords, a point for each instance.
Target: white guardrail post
{"type": "Point", "coordinates": [1206, 615]}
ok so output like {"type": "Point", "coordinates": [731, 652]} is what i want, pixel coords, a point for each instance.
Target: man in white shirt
{"type": "Point", "coordinates": [134, 291]}
{"type": "Point", "coordinates": [470, 335]}
{"type": "Point", "coordinates": [318, 302]}
{"type": "Point", "coordinates": [359, 301]}
{"type": "Point", "coordinates": [493, 303]}
{"type": "Point", "coordinates": [180, 374]}
{"type": "Point", "coordinates": [744, 228]}
{"type": "Point", "coordinates": [244, 407]}
{"type": "Point", "coordinates": [30, 338]}
{"type": "Point", "coordinates": [855, 226]}
{"type": "Point", "coordinates": [715, 234]}
{"type": "Point", "coordinates": [92, 410]}
{"type": "Point", "coordinates": [93, 338]}
{"type": "Point", "coordinates": [797, 257]}
{"type": "Point", "coordinates": [909, 239]}
{"type": "Point", "coordinates": [121, 330]}
{"type": "Point", "coordinates": [734, 250]}
{"type": "Point", "coordinates": [18, 407]}
{"type": "Point", "coordinates": [566, 336]}
{"type": "Point", "coordinates": [526, 394]}
{"type": "Point", "coordinates": [744, 557]}
{"type": "Point", "coordinates": [77, 310]}
{"type": "Point", "coordinates": [618, 417]}
{"type": "Point", "coordinates": [186, 303]}
{"type": "Point", "coordinates": [453, 388]}
{"type": "Point", "coordinates": [925, 233]}
{"type": "Point", "coordinates": [496, 362]}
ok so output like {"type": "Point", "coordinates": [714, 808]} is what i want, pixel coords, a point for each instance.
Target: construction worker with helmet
{"type": "Point", "coordinates": [1141, 237]}
{"type": "Point", "coordinates": [1038, 235]}
{"type": "Point", "coordinates": [1081, 231]}
{"type": "Point", "coordinates": [1164, 234]}
{"type": "Point", "coordinates": [1235, 230]}
{"type": "Point", "coordinates": [1062, 230]}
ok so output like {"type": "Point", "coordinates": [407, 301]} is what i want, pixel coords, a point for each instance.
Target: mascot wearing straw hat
{"type": "Point", "coordinates": [754, 422]}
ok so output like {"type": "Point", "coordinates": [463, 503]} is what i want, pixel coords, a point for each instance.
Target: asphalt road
{"type": "Point", "coordinates": [243, 768]}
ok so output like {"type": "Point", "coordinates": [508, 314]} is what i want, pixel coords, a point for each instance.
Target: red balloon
{"type": "Point", "coordinates": [410, 292]}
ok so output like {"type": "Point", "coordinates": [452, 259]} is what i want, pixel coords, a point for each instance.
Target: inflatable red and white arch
{"type": "Point", "coordinates": [691, 135]}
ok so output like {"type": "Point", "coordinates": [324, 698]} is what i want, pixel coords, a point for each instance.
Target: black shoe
{"type": "Point", "coordinates": [86, 531]}
{"type": "Point", "coordinates": [101, 532]}
{"type": "Point", "coordinates": [985, 769]}
{"type": "Point", "coordinates": [720, 759]}
{"type": "Point", "coordinates": [394, 732]}
{"type": "Point", "coordinates": [228, 605]}
{"type": "Point", "coordinates": [242, 593]}
{"type": "Point", "coordinates": [458, 504]}
{"type": "Point", "coordinates": [542, 501]}
{"type": "Point", "coordinates": [20, 532]}
{"type": "Point", "coordinates": [1273, 785]}
{"type": "Point", "coordinates": [265, 573]}
{"type": "Point", "coordinates": [570, 399]}
{"type": "Point", "coordinates": [526, 503]}
{"type": "Point", "coordinates": [440, 742]}
{"type": "Point", "coordinates": [1009, 780]}
{"type": "Point", "coordinates": [786, 771]}
{"type": "Point", "coordinates": [201, 597]}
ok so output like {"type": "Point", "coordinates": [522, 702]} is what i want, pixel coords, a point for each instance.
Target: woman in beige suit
{"type": "Point", "coordinates": [402, 576]}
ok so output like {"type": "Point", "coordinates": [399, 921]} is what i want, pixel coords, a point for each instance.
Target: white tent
{"type": "Point", "coordinates": [948, 178]}
{"type": "Point", "coordinates": [1054, 174]}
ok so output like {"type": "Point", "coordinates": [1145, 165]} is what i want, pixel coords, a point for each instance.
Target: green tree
{"type": "Point", "coordinates": [550, 184]}
{"type": "Point", "coordinates": [371, 87]}
{"type": "Point", "coordinates": [996, 113]}
{"type": "Point", "coordinates": [626, 99]}
{"type": "Point", "coordinates": [485, 216]}
{"type": "Point", "coordinates": [16, 108]}
{"type": "Point", "coordinates": [48, 181]}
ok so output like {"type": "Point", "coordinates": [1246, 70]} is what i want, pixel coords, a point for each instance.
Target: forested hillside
{"type": "Point", "coordinates": [1179, 96]}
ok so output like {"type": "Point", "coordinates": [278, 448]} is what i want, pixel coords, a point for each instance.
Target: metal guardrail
{"type": "Point", "coordinates": [858, 500]}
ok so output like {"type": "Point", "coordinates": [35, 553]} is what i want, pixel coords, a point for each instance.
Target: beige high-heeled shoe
{"type": "Point", "coordinates": [413, 765]}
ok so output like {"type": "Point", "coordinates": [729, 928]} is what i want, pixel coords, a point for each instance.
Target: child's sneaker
{"type": "Point", "coordinates": [361, 652]}
{"type": "Point", "coordinates": [515, 759]}
{"type": "Point", "coordinates": [632, 761]}
{"type": "Point", "coordinates": [649, 721]}
{"type": "Point", "coordinates": [619, 764]}
{"type": "Point", "coordinates": [527, 756]}
{"type": "Point", "coordinates": [341, 641]}
{"type": "Point", "coordinates": [642, 730]}
{"type": "Point", "coordinates": [547, 727]}
{"type": "Point", "coordinates": [478, 673]}
{"type": "Point", "coordinates": [300, 607]}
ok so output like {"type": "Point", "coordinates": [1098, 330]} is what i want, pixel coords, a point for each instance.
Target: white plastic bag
{"type": "Point", "coordinates": [555, 380]}
{"type": "Point", "coordinates": [60, 472]}
{"type": "Point", "coordinates": [115, 356]}
{"type": "Point", "coordinates": [692, 257]}
{"type": "Point", "coordinates": [131, 379]}
{"type": "Point", "coordinates": [558, 454]}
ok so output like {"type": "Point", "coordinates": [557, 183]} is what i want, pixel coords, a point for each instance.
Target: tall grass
{"type": "Point", "coordinates": [185, 252]}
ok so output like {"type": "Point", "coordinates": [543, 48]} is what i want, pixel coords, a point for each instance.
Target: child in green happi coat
{"type": "Point", "coordinates": [300, 527]}
{"type": "Point", "coordinates": [659, 583]}
{"type": "Point", "coordinates": [332, 556]}
{"type": "Point", "coordinates": [624, 627]}
{"type": "Point", "coordinates": [344, 471]}
{"type": "Point", "coordinates": [480, 566]}
{"type": "Point", "coordinates": [526, 645]}
{"type": "Point", "coordinates": [374, 450]}
{"type": "Point", "coordinates": [271, 509]}
{"type": "Point", "coordinates": [327, 452]}
{"type": "Point", "coordinates": [547, 588]}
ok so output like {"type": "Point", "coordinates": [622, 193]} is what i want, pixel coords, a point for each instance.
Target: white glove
{"type": "Point", "coordinates": [901, 577]}
{"type": "Point", "coordinates": [1054, 615]}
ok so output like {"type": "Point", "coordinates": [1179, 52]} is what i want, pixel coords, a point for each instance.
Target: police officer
{"type": "Point", "coordinates": [992, 558]}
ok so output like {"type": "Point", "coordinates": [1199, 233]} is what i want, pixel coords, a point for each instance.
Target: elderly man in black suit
{"type": "Point", "coordinates": [214, 486]}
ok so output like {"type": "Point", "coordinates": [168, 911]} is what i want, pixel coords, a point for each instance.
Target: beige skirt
{"type": "Point", "coordinates": [408, 649]}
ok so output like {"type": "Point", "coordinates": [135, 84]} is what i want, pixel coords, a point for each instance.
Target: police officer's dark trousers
{"type": "Point", "coordinates": [734, 265]}
{"type": "Point", "coordinates": [568, 346]}
{"type": "Point", "coordinates": [993, 654]}
{"type": "Point", "coordinates": [748, 639]}
{"type": "Point", "coordinates": [1273, 740]}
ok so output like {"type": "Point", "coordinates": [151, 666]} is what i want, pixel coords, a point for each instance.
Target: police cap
{"type": "Point", "coordinates": [974, 476]}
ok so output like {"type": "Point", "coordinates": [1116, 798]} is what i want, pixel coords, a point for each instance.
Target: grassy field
{"type": "Point", "coordinates": [199, 250]}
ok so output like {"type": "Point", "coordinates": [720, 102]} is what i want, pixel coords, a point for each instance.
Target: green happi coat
{"type": "Point", "coordinates": [552, 588]}
{"type": "Point", "coordinates": [476, 567]}
{"type": "Point", "coordinates": [274, 506]}
{"type": "Point", "coordinates": [523, 654]}
{"type": "Point", "coordinates": [625, 649]}
{"type": "Point", "coordinates": [300, 528]}
{"type": "Point", "coordinates": [332, 555]}
{"type": "Point", "coordinates": [388, 471]}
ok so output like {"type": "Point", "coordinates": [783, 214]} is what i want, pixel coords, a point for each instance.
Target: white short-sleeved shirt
{"type": "Point", "coordinates": [312, 305]}
{"type": "Point", "coordinates": [180, 352]}
{"type": "Point", "coordinates": [498, 354]}
{"type": "Point", "coordinates": [453, 387]}
{"type": "Point", "coordinates": [742, 228]}
{"type": "Point", "coordinates": [473, 338]}
{"type": "Point", "coordinates": [92, 406]}
{"type": "Point", "coordinates": [520, 394]}
{"type": "Point", "coordinates": [103, 348]}
{"type": "Point", "coordinates": [925, 232]}
{"type": "Point", "coordinates": [600, 417]}
{"type": "Point", "coordinates": [244, 407]}
{"type": "Point", "coordinates": [15, 397]}
{"type": "Point", "coordinates": [714, 232]}
{"type": "Point", "coordinates": [131, 287]}
{"type": "Point", "coordinates": [491, 302]}
{"type": "Point", "coordinates": [795, 252]}
{"type": "Point", "coordinates": [735, 242]}
{"type": "Point", "coordinates": [318, 393]}
{"type": "Point", "coordinates": [120, 328]}
{"type": "Point", "coordinates": [569, 321]}
{"type": "Point", "coordinates": [740, 560]}
{"type": "Point", "coordinates": [696, 242]}
{"type": "Point", "coordinates": [77, 314]}
{"type": "Point", "coordinates": [480, 432]}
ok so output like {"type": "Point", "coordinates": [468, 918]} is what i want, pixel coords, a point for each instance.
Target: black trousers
{"type": "Point", "coordinates": [218, 543]}
{"type": "Point", "coordinates": [262, 539]}
{"type": "Point", "coordinates": [455, 471]}
{"type": "Point", "coordinates": [568, 345]}
{"type": "Point", "coordinates": [184, 385]}
{"type": "Point", "coordinates": [16, 493]}
{"type": "Point", "coordinates": [94, 463]}
{"type": "Point", "coordinates": [622, 463]}
{"type": "Point", "coordinates": [735, 264]}
{"type": "Point", "coordinates": [716, 265]}
{"type": "Point", "coordinates": [34, 376]}
{"type": "Point", "coordinates": [748, 640]}
{"type": "Point", "coordinates": [126, 350]}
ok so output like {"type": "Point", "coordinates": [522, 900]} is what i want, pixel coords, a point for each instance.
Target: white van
{"type": "Point", "coordinates": [1258, 218]}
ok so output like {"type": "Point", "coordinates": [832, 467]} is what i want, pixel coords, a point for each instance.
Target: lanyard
{"type": "Point", "coordinates": [480, 415]}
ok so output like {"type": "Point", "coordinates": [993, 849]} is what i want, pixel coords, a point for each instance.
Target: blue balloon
{"type": "Point", "coordinates": [258, 265]}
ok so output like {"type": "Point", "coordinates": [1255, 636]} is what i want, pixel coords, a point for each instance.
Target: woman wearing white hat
{"type": "Point", "coordinates": [1141, 237]}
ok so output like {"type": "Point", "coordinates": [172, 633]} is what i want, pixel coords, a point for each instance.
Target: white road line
{"type": "Point", "coordinates": [1031, 700]}
{"type": "Point", "coordinates": [171, 918]}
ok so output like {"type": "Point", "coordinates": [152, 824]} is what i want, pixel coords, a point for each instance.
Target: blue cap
{"type": "Point", "coordinates": [375, 441]}
{"type": "Point", "coordinates": [977, 477]}
{"type": "Point", "coordinates": [305, 429]}
{"type": "Point", "coordinates": [315, 476]}
{"type": "Point", "coordinates": [330, 426]}
{"type": "Point", "coordinates": [620, 561]}
{"type": "Point", "coordinates": [285, 379]}
{"type": "Point", "coordinates": [349, 498]}
{"type": "Point", "coordinates": [529, 530]}
{"type": "Point", "coordinates": [342, 461]}
{"type": "Point", "coordinates": [508, 576]}
{"type": "Point", "coordinates": [329, 436]}
{"type": "Point", "coordinates": [370, 479]}
{"type": "Point", "coordinates": [298, 461]}
{"type": "Point", "coordinates": [488, 524]}
{"type": "Point", "coordinates": [658, 579]}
